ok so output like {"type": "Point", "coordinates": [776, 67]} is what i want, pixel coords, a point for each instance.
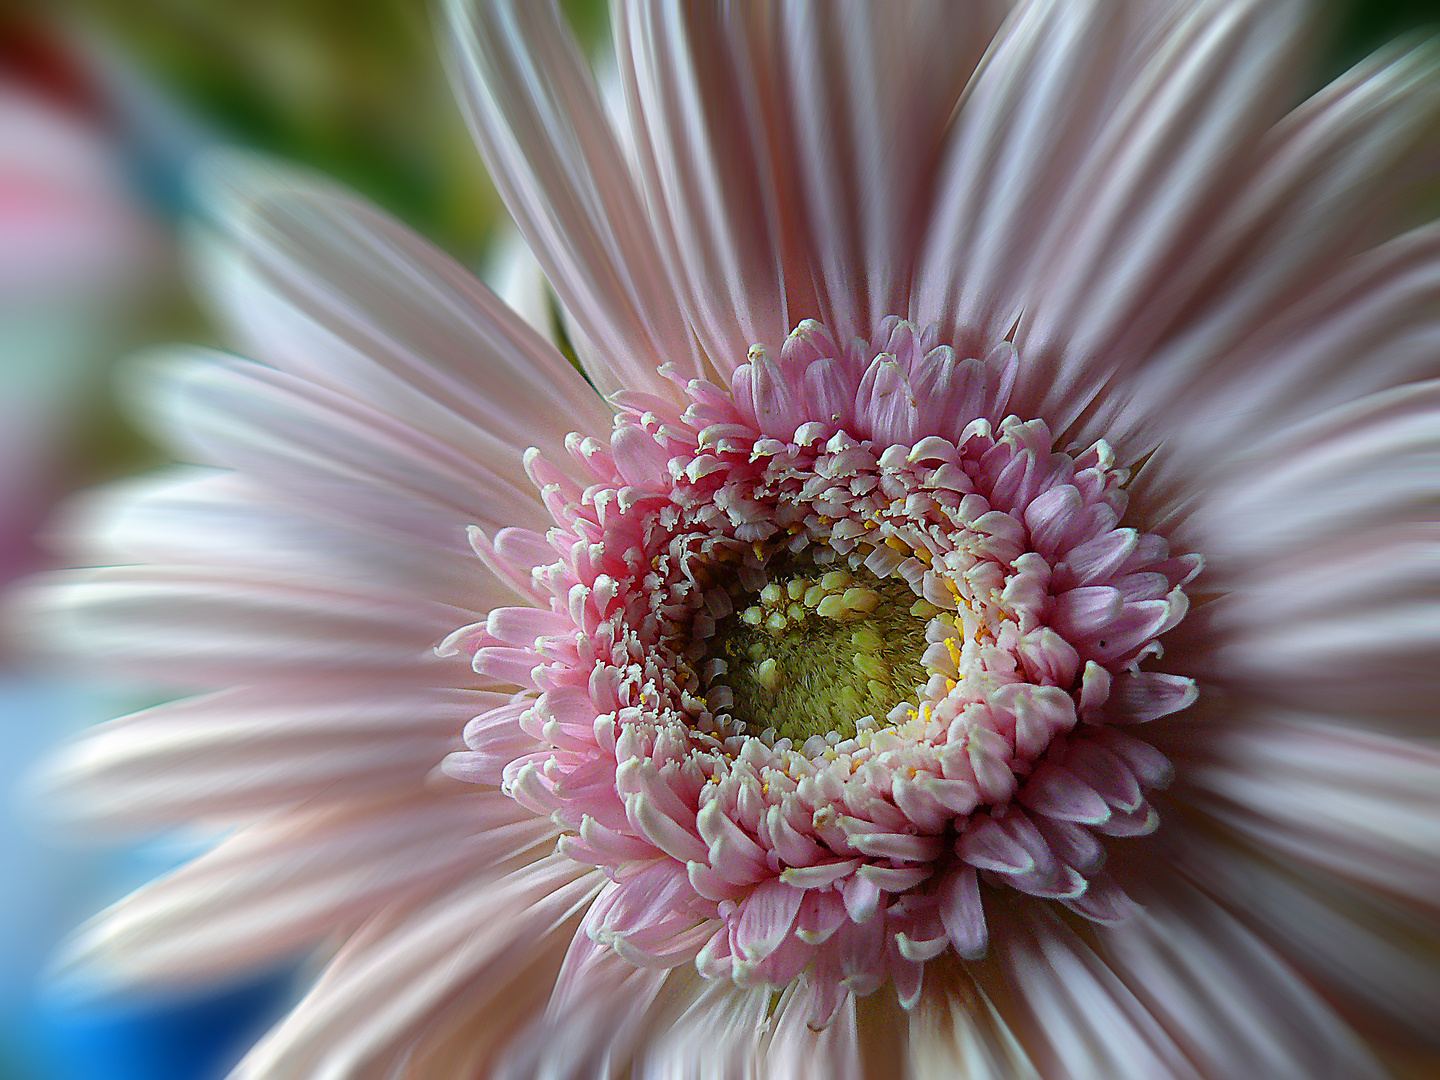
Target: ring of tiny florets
{"type": "Point", "coordinates": [853, 854]}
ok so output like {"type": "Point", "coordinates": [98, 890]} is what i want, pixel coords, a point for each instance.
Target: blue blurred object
{"type": "Point", "coordinates": [195, 1039]}
{"type": "Point", "coordinates": [49, 889]}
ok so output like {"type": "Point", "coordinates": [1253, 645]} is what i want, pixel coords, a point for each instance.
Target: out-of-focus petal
{"type": "Point", "coordinates": [1302, 364]}
{"type": "Point", "coordinates": [1282, 281]}
{"type": "Point", "coordinates": [284, 884]}
{"type": "Point", "coordinates": [601, 1009]}
{"type": "Point", "coordinates": [336, 456]}
{"type": "Point", "coordinates": [1037, 103]}
{"type": "Point", "coordinates": [537, 117]}
{"type": "Point", "coordinates": [1327, 559]}
{"type": "Point", "coordinates": [1365, 945]}
{"type": "Point", "coordinates": [1356, 804]}
{"type": "Point", "coordinates": [1168, 151]}
{"type": "Point", "coordinates": [957, 1031]}
{"type": "Point", "coordinates": [693, 85]}
{"type": "Point", "coordinates": [204, 628]}
{"type": "Point", "coordinates": [476, 956]}
{"type": "Point", "coordinates": [242, 752]}
{"type": "Point", "coordinates": [1182, 991]}
{"type": "Point", "coordinates": [328, 289]}
{"type": "Point", "coordinates": [865, 94]}
{"type": "Point", "coordinates": [197, 516]}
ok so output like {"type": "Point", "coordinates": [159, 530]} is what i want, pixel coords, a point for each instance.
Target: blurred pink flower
{"type": "Point", "coordinates": [842, 732]}
{"type": "Point", "coordinates": [76, 252]}
{"type": "Point", "coordinates": [68, 221]}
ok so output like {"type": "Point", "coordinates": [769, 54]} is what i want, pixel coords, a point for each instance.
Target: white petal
{"type": "Point", "coordinates": [513, 271]}
{"type": "Point", "coordinates": [280, 886]}
{"type": "Point", "coordinates": [472, 957]}
{"type": "Point", "coordinates": [330, 453]}
{"type": "Point", "coordinates": [203, 628]}
{"type": "Point", "coordinates": [1337, 629]}
{"type": "Point", "coordinates": [717, 1036]}
{"type": "Point", "coordinates": [1352, 802]}
{"type": "Point", "coordinates": [1366, 467]}
{"type": "Point", "coordinates": [1371, 326]}
{"type": "Point", "coordinates": [796, 1049]}
{"type": "Point", "coordinates": [1357, 941]}
{"type": "Point", "coordinates": [326, 287]}
{"type": "Point", "coordinates": [1036, 105]}
{"type": "Point", "coordinates": [1072, 1009]}
{"type": "Point", "coordinates": [234, 755]}
{"type": "Point", "coordinates": [1328, 179]}
{"type": "Point", "coordinates": [537, 118]}
{"type": "Point", "coordinates": [1174, 994]}
{"type": "Point", "coordinates": [1320, 540]}
{"type": "Point", "coordinates": [1227, 1001]}
{"type": "Point", "coordinates": [863, 96]}
{"type": "Point", "coordinates": [601, 1008]}
{"type": "Point", "coordinates": [956, 1030]}
{"type": "Point", "coordinates": [699, 124]}
{"type": "Point", "coordinates": [1178, 139]}
{"type": "Point", "coordinates": [218, 518]}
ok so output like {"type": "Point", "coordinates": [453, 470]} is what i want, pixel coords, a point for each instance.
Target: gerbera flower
{"type": "Point", "coordinates": [989, 419]}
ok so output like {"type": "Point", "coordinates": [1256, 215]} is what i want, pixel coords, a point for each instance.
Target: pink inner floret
{"type": "Point", "coordinates": [846, 858]}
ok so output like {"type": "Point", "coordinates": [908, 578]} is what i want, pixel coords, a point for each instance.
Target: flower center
{"type": "Point", "coordinates": [820, 652]}
{"type": "Point", "coordinates": [811, 658]}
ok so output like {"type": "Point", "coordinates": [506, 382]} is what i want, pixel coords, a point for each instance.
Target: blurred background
{"type": "Point", "coordinates": [103, 103]}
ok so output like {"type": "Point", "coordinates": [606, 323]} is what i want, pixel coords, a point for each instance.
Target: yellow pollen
{"type": "Point", "coordinates": [808, 657]}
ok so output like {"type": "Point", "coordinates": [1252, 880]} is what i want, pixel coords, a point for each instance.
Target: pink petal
{"type": "Point", "coordinates": [961, 912]}
{"type": "Point", "coordinates": [766, 918]}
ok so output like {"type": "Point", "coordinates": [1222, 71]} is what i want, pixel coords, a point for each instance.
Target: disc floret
{"type": "Point", "coordinates": [819, 653]}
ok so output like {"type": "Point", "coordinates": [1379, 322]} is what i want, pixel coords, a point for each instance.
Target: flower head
{"type": "Point", "coordinates": [811, 653]}
{"type": "Point", "coordinates": [1006, 414]}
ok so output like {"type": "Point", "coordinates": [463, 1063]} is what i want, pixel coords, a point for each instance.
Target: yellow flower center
{"type": "Point", "coordinates": [818, 651]}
